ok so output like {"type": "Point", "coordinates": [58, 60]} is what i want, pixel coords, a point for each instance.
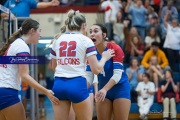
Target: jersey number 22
{"type": "Point", "coordinates": [67, 49]}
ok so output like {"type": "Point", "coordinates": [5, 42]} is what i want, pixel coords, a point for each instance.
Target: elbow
{"type": "Point", "coordinates": [96, 70]}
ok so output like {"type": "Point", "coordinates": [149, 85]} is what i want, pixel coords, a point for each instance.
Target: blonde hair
{"type": "Point", "coordinates": [74, 21]}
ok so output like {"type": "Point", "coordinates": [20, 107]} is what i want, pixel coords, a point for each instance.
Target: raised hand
{"type": "Point", "coordinates": [55, 2]}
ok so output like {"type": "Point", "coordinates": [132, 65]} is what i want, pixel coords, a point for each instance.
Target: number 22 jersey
{"type": "Point", "coordinates": [71, 50]}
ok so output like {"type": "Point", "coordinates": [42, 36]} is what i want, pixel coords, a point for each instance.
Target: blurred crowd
{"type": "Point", "coordinates": [149, 33]}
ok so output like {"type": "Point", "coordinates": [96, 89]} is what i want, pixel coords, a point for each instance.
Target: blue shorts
{"type": "Point", "coordinates": [121, 90]}
{"type": "Point", "coordinates": [8, 97]}
{"type": "Point", "coordinates": [91, 89]}
{"type": "Point", "coordinates": [72, 89]}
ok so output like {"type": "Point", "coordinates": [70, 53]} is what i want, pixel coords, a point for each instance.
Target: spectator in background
{"type": "Point", "coordinates": [151, 37]}
{"type": "Point", "coordinates": [155, 71]}
{"type": "Point", "coordinates": [133, 73]}
{"type": "Point", "coordinates": [118, 29]}
{"type": "Point", "coordinates": [110, 7]}
{"type": "Point", "coordinates": [169, 88]}
{"type": "Point", "coordinates": [42, 82]}
{"type": "Point", "coordinates": [172, 41]}
{"type": "Point", "coordinates": [128, 37]}
{"type": "Point", "coordinates": [177, 5]}
{"type": "Point", "coordinates": [156, 4]}
{"type": "Point", "coordinates": [21, 8]}
{"type": "Point", "coordinates": [154, 22]}
{"type": "Point", "coordinates": [170, 9]}
{"type": "Point", "coordinates": [138, 13]}
{"type": "Point", "coordinates": [155, 51]}
{"type": "Point", "coordinates": [136, 48]}
{"type": "Point", "coordinates": [145, 90]}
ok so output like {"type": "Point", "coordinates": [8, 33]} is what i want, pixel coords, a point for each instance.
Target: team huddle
{"type": "Point", "coordinates": [76, 60]}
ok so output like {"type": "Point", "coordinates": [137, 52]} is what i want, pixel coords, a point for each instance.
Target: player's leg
{"type": "Point", "coordinates": [91, 96]}
{"type": "Point", "coordinates": [104, 110]}
{"type": "Point", "coordinates": [72, 115]}
{"type": "Point", "coordinates": [83, 109]}
{"type": "Point", "coordinates": [121, 108]}
{"type": "Point", "coordinates": [14, 112]}
{"type": "Point", "coordinates": [61, 110]}
{"type": "Point", "coordinates": [2, 117]}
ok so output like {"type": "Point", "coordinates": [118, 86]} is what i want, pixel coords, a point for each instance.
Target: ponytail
{"type": "Point", "coordinates": [11, 39]}
{"type": "Point", "coordinates": [74, 21]}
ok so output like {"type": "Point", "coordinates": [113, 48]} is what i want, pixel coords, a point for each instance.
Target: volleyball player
{"type": "Point", "coordinates": [10, 106]}
{"type": "Point", "coordinates": [113, 96]}
{"type": "Point", "coordinates": [69, 53]}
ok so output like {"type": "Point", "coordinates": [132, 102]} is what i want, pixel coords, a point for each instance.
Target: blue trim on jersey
{"type": "Point", "coordinates": [90, 49]}
{"type": "Point", "coordinates": [53, 52]}
{"type": "Point", "coordinates": [23, 54]}
{"type": "Point", "coordinates": [117, 65]}
{"type": "Point", "coordinates": [88, 68]}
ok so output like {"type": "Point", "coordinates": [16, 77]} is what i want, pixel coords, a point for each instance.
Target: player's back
{"type": "Point", "coordinates": [71, 50]}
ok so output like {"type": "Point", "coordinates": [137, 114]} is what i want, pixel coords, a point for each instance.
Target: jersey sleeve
{"type": "Point", "coordinates": [22, 50]}
{"type": "Point", "coordinates": [53, 52]}
{"type": "Point", "coordinates": [138, 88]}
{"type": "Point", "coordinates": [33, 4]}
{"type": "Point", "coordinates": [118, 58]}
{"type": "Point", "coordinates": [91, 49]}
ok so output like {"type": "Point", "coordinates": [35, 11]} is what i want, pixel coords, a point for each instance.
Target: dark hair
{"type": "Point", "coordinates": [24, 29]}
{"type": "Point", "coordinates": [103, 28]}
{"type": "Point", "coordinates": [155, 44]}
{"type": "Point", "coordinates": [170, 71]}
{"type": "Point", "coordinates": [155, 35]}
{"type": "Point", "coordinates": [147, 75]}
{"type": "Point", "coordinates": [133, 58]}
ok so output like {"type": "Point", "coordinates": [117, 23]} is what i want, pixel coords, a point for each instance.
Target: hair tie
{"type": "Point", "coordinates": [20, 29]}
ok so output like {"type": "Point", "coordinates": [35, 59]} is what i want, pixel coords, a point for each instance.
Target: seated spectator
{"type": "Point", "coordinates": [133, 74]}
{"type": "Point", "coordinates": [151, 37]}
{"type": "Point", "coordinates": [169, 88]}
{"type": "Point", "coordinates": [172, 41]}
{"type": "Point", "coordinates": [136, 48]}
{"type": "Point", "coordinates": [128, 37]}
{"type": "Point", "coordinates": [155, 71]}
{"type": "Point", "coordinates": [155, 51]}
{"type": "Point", "coordinates": [145, 90]}
{"type": "Point", "coordinates": [118, 29]}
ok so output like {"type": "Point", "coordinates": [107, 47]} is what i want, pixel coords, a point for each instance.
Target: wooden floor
{"type": "Point", "coordinates": [49, 114]}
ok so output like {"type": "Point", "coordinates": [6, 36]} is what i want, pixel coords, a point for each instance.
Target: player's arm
{"type": "Point", "coordinates": [24, 74]}
{"type": "Point", "coordinates": [4, 15]}
{"type": "Point", "coordinates": [96, 66]}
{"type": "Point", "coordinates": [53, 64]}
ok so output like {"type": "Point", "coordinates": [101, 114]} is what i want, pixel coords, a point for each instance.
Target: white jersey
{"type": "Point", "coordinates": [71, 50]}
{"type": "Point", "coordinates": [144, 87]}
{"type": "Point", "coordinates": [9, 77]}
{"type": "Point", "coordinates": [172, 40]}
